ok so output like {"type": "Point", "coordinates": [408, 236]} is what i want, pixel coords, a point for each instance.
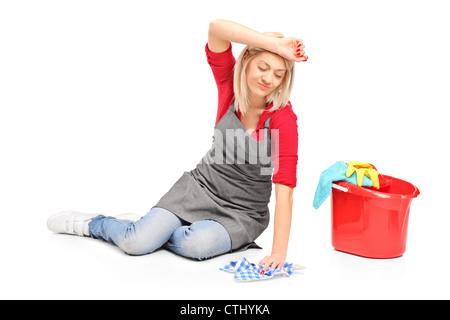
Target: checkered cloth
{"type": "Point", "coordinates": [245, 271]}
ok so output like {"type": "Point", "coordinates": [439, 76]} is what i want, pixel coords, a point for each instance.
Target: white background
{"type": "Point", "coordinates": [104, 104]}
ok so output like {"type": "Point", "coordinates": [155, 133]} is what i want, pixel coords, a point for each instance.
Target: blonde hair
{"type": "Point", "coordinates": [279, 97]}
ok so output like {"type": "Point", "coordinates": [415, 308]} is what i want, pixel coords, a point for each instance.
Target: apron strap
{"type": "Point", "coordinates": [266, 126]}
{"type": "Point", "coordinates": [231, 108]}
{"type": "Point", "coordinates": [267, 123]}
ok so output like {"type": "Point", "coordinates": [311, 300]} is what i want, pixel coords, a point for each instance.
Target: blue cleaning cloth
{"type": "Point", "coordinates": [334, 173]}
{"type": "Point", "coordinates": [244, 270]}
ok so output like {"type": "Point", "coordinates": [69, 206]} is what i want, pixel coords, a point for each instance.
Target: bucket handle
{"type": "Point", "coordinates": [336, 186]}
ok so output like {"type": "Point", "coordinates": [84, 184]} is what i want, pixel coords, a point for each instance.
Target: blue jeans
{"type": "Point", "coordinates": [161, 228]}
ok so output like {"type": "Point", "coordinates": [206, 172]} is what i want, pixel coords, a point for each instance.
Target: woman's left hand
{"type": "Point", "coordinates": [274, 261]}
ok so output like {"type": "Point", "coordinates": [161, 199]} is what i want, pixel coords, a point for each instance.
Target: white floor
{"type": "Point", "coordinates": [37, 264]}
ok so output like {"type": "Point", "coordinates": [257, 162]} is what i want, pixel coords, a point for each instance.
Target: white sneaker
{"type": "Point", "coordinates": [70, 222]}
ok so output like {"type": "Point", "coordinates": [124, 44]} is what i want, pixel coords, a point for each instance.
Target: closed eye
{"type": "Point", "coordinates": [264, 70]}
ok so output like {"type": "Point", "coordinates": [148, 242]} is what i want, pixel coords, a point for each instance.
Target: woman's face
{"type": "Point", "coordinates": [265, 73]}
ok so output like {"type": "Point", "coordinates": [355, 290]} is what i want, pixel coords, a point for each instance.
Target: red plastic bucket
{"type": "Point", "coordinates": [369, 222]}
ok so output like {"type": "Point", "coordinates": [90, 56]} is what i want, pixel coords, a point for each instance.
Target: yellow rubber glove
{"type": "Point", "coordinates": [363, 169]}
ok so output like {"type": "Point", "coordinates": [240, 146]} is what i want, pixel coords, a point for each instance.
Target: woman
{"type": "Point", "coordinates": [222, 204]}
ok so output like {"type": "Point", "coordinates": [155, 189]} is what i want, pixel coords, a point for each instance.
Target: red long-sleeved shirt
{"type": "Point", "coordinates": [285, 120]}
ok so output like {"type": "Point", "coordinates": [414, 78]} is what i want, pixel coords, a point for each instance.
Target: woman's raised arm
{"type": "Point", "coordinates": [222, 32]}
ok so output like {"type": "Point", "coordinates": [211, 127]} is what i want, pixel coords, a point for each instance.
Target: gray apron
{"type": "Point", "coordinates": [232, 184]}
